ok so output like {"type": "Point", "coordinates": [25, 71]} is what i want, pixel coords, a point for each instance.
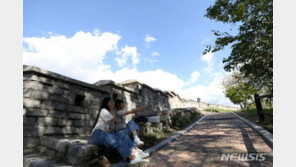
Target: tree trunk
{"type": "Point", "coordinates": [259, 108]}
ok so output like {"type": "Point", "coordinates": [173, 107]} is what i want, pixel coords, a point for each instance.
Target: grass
{"type": "Point", "coordinates": [252, 115]}
{"type": "Point", "coordinates": [216, 110]}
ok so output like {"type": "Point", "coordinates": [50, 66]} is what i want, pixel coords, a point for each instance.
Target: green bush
{"type": "Point", "coordinates": [180, 122]}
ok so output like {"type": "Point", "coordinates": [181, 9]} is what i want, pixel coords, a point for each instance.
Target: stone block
{"type": "Point", "coordinates": [29, 121]}
{"type": "Point", "coordinates": [77, 91]}
{"type": "Point", "coordinates": [47, 141]}
{"type": "Point", "coordinates": [48, 105]}
{"type": "Point", "coordinates": [30, 131]}
{"type": "Point", "coordinates": [56, 90]}
{"type": "Point", "coordinates": [76, 116]}
{"type": "Point", "coordinates": [27, 93]}
{"type": "Point", "coordinates": [53, 130]}
{"type": "Point", "coordinates": [62, 85]}
{"type": "Point", "coordinates": [45, 80]}
{"type": "Point", "coordinates": [35, 86]}
{"type": "Point", "coordinates": [61, 107]}
{"type": "Point", "coordinates": [79, 154]}
{"type": "Point", "coordinates": [59, 98]}
{"type": "Point", "coordinates": [40, 160]}
{"type": "Point", "coordinates": [31, 103]}
{"type": "Point", "coordinates": [79, 123]}
{"type": "Point", "coordinates": [58, 145]}
{"type": "Point", "coordinates": [64, 122]}
{"type": "Point", "coordinates": [94, 106]}
{"type": "Point", "coordinates": [69, 130]}
{"type": "Point", "coordinates": [76, 109]}
{"type": "Point", "coordinates": [40, 95]}
{"type": "Point", "coordinates": [93, 112]}
{"type": "Point", "coordinates": [56, 114]}
{"type": "Point", "coordinates": [31, 142]}
{"type": "Point", "coordinates": [89, 123]}
{"type": "Point", "coordinates": [47, 151]}
{"type": "Point", "coordinates": [46, 121]}
{"type": "Point", "coordinates": [36, 112]}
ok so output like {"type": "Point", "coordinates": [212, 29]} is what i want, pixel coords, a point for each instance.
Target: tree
{"type": "Point", "coordinates": [238, 89]}
{"type": "Point", "coordinates": [252, 47]}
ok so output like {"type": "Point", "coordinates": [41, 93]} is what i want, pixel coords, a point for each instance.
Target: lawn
{"type": "Point", "coordinates": [252, 115]}
{"type": "Point", "coordinates": [216, 110]}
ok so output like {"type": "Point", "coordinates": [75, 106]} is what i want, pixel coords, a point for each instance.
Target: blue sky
{"type": "Point", "coordinates": [157, 42]}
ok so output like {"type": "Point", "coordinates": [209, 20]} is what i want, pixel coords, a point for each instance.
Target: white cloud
{"type": "Point", "coordinates": [193, 77]}
{"type": "Point", "coordinates": [82, 57]}
{"type": "Point", "coordinates": [155, 78]}
{"type": "Point", "coordinates": [154, 54]}
{"type": "Point", "coordinates": [211, 93]}
{"type": "Point", "coordinates": [149, 38]}
{"type": "Point", "coordinates": [149, 60]}
{"type": "Point", "coordinates": [126, 53]}
{"type": "Point", "coordinates": [209, 68]}
{"type": "Point", "coordinates": [207, 57]}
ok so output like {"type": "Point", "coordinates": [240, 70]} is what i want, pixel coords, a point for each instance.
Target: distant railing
{"type": "Point", "coordinates": [259, 106]}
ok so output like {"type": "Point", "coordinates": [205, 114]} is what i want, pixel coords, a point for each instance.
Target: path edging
{"type": "Point", "coordinates": [261, 131]}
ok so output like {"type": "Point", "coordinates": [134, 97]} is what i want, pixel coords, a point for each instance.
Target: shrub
{"type": "Point", "coordinates": [180, 122]}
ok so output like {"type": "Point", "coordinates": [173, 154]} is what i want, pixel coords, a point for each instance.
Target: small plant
{"type": "Point", "coordinates": [37, 149]}
{"type": "Point", "coordinates": [60, 158]}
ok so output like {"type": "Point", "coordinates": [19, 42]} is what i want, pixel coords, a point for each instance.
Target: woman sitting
{"type": "Point", "coordinates": [127, 127]}
{"type": "Point", "coordinates": [102, 134]}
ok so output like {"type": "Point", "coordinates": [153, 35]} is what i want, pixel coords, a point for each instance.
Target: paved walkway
{"type": "Point", "coordinates": [205, 144]}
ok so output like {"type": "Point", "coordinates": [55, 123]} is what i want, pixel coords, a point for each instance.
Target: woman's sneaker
{"type": "Point", "coordinates": [141, 154]}
{"type": "Point", "coordinates": [138, 160]}
{"type": "Point", "coordinates": [137, 141]}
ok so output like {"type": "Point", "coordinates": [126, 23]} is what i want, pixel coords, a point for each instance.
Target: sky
{"type": "Point", "coordinates": [158, 42]}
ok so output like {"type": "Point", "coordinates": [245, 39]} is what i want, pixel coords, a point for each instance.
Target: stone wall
{"type": "Point", "coordinates": [55, 105]}
{"type": "Point", "coordinates": [155, 99]}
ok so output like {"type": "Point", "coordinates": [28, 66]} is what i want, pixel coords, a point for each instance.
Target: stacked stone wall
{"type": "Point", "coordinates": [55, 105]}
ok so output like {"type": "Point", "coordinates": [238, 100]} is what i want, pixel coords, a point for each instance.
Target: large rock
{"type": "Point", "coordinates": [77, 151]}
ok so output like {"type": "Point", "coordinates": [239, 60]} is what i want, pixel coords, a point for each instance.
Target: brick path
{"type": "Point", "coordinates": [205, 143]}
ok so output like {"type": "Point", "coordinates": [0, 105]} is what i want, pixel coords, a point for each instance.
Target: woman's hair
{"type": "Point", "coordinates": [118, 102]}
{"type": "Point", "coordinates": [103, 105]}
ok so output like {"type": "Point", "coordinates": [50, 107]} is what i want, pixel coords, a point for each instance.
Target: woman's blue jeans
{"type": "Point", "coordinates": [121, 142]}
{"type": "Point", "coordinates": [130, 127]}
